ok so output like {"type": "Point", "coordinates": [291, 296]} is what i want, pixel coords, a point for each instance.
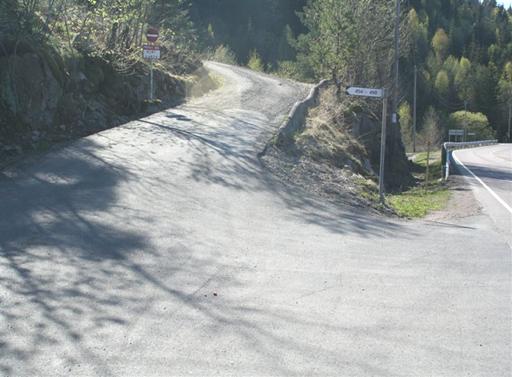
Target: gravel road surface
{"type": "Point", "coordinates": [163, 248]}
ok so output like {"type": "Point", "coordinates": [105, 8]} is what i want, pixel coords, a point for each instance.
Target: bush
{"type": "Point", "coordinates": [293, 70]}
{"type": "Point", "coordinates": [224, 54]}
{"type": "Point", "coordinates": [255, 63]}
{"type": "Point", "coordinates": [472, 122]}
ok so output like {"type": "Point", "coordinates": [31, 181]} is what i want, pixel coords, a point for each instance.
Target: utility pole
{"type": "Point", "coordinates": [383, 146]}
{"type": "Point", "coordinates": [394, 118]}
{"type": "Point", "coordinates": [415, 109]}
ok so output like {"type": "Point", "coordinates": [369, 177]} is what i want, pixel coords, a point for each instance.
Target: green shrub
{"type": "Point", "coordinates": [289, 69]}
{"type": "Point", "coordinates": [255, 63]}
{"type": "Point", "coordinates": [224, 54]}
{"type": "Point", "coordinates": [472, 122]}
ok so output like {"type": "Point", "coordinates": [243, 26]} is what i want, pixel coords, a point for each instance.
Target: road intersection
{"type": "Point", "coordinates": [163, 248]}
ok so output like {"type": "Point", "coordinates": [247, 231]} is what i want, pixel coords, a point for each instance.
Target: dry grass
{"type": "Point", "coordinates": [327, 138]}
{"type": "Point", "coordinates": [325, 159]}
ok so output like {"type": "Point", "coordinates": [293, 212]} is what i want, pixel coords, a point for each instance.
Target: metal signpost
{"type": "Point", "coordinates": [151, 52]}
{"type": "Point", "coordinates": [377, 93]}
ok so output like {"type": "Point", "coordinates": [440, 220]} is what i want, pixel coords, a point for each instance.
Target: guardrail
{"type": "Point", "coordinates": [449, 147]}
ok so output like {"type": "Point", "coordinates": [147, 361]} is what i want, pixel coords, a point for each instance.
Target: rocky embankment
{"type": "Point", "coordinates": [47, 98]}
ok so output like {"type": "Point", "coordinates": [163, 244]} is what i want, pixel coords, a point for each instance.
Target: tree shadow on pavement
{"type": "Point", "coordinates": [228, 157]}
{"type": "Point", "coordinates": [57, 254]}
{"type": "Point", "coordinates": [75, 262]}
{"type": "Point", "coordinates": [83, 268]}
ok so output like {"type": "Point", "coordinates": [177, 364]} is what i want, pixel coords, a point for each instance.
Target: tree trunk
{"type": "Point", "coordinates": [113, 36]}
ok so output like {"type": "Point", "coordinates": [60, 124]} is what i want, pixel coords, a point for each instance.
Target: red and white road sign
{"type": "Point", "coordinates": [152, 34]}
{"type": "Point", "coordinates": [151, 52]}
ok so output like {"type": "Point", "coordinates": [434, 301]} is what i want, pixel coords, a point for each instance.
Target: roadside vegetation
{"type": "Point", "coordinates": [418, 202]}
{"type": "Point", "coordinates": [69, 68]}
{"type": "Point", "coordinates": [462, 50]}
{"type": "Point", "coordinates": [327, 156]}
{"type": "Point", "coordinates": [430, 194]}
{"type": "Point", "coordinates": [334, 156]}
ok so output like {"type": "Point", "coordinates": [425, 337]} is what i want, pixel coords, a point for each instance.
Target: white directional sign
{"type": "Point", "coordinates": [365, 92]}
{"type": "Point", "coordinates": [456, 132]}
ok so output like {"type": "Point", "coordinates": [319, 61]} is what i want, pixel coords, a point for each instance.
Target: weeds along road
{"type": "Point", "coordinates": [163, 248]}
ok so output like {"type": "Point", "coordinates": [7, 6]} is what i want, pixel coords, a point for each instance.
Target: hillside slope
{"type": "Point", "coordinates": [41, 103]}
{"type": "Point", "coordinates": [335, 154]}
{"type": "Point", "coordinates": [69, 69]}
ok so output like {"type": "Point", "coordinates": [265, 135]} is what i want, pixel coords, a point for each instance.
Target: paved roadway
{"type": "Point", "coordinates": [162, 248]}
{"type": "Point", "coordinates": [489, 172]}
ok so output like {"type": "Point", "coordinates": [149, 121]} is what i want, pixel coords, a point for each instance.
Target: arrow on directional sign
{"type": "Point", "coordinates": [365, 92]}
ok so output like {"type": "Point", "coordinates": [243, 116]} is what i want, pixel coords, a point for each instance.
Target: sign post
{"type": "Point", "coordinates": [151, 53]}
{"type": "Point", "coordinates": [455, 134]}
{"type": "Point", "coordinates": [377, 93]}
{"type": "Point", "coordinates": [151, 91]}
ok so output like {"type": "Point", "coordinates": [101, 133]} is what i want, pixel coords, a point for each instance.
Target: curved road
{"type": "Point", "coordinates": [489, 171]}
{"type": "Point", "coordinates": [163, 248]}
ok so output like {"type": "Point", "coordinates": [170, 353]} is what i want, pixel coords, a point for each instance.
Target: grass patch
{"type": "Point", "coordinates": [419, 202]}
{"type": "Point", "coordinates": [426, 197]}
{"type": "Point", "coordinates": [421, 158]}
{"type": "Point", "coordinates": [419, 169]}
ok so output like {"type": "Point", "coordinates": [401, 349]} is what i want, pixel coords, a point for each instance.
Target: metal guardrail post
{"type": "Point", "coordinates": [444, 159]}
{"type": "Point", "coordinates": [447, 165]}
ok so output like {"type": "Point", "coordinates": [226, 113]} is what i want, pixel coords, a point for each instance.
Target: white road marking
{"type": "Point", "coordinates": [496, 196]}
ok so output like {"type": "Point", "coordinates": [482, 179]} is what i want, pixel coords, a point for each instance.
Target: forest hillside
{"type": "Point", "coordinates": [462, 51]}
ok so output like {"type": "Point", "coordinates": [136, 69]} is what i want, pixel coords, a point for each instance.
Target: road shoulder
{"type": "Point", "coordinates": [462, 202]}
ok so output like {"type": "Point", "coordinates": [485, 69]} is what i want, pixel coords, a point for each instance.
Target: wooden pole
{"type": "Point", "coordinates": [383, 147]}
